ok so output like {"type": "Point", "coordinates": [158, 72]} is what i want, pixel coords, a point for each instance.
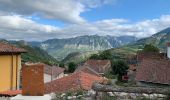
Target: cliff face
{"type": "Point", "coordinates": [60, 48]}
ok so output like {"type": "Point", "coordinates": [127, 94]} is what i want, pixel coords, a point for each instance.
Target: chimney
{"type": "Point", "coordinates": [168, 50]}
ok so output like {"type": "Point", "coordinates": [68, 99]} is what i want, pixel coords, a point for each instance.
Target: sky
{"type": "Point", "coordinates": [39, 20]}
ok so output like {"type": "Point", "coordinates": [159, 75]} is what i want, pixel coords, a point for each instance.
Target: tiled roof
{"type": "Point", "coordinates": [6, 48]}
{"type": "Point", "coordinates": [75, 81]}
{"type": "Point", "coordinates": [10, 93]}
{"type": "Point", "coordinates": [55, 70]}
{"type": "Point", "coordinates": [154, 70]}
{"type": "Point", "coordinates": [99, 66]}
{"type": "Point", "coordinates": [152, 55]}
{"type": "Point", "coordinates": [87, 69]}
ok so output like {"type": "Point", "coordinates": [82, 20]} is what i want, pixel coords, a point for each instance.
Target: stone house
{"type": "Point", "coordinates": [95, 67]}
{"type": "Point", "coordinates": [52, 73]}
{"type": "Point", "coordinates": [153, 72]}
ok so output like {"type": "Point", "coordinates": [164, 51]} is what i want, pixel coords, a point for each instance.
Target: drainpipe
{"type": "Point", "coordinates": [12, 69]}
{"type": "Point", "coordinates": [16, 72]}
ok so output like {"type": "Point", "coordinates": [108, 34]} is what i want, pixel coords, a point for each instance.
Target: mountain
{"type": "Point", "coordinates": [159, 39]}
{"type": "Point", "coordinates": [34, 54]}
{"type": "Point", "coordinates": [78, 57]}
{"type": "Point", "coordinates": [60, 48]}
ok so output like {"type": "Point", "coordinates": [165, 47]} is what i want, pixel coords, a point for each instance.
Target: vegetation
{"type": "Point", "coordinates": [119, 67]}
{"type": "Point", "coordinates": [103, 55]}
{"type": "Point", "coordinates": [105, 96]}
{"type": "Point", "coordinates": [34, 54]}
{"type": "Point", "coordinates": [61, 65]}
{"type": "Point", "coordinates": [110, 75]}
{"type": "Point", "coordinates": [71, 67]}
{"type": "Point", "coordinates": [150, 48]}
{"type": "Point", "coordinates": [78, 57]}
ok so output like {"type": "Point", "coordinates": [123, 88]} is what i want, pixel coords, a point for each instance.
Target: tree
{"type": "Point", "coordinates": [102, 56]}
{"type": "Point", "coordinates": [95, 56]}
{"type": "Point", "coordinates": [119, 67]}
{"type": "Point", "coordinates": [61, 65]}
{"type": "Point", "coordinates": [106, 55]}
{"type": "Point", "coordinates": [150, 48]}
{"type": "Point", "coordinates": [71, 67]}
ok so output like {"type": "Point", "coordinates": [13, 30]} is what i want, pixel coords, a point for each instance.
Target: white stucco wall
{"type": "Point", "coordinates": [168, 52]}
{"type": "Point", "coordinates": [47, 77]}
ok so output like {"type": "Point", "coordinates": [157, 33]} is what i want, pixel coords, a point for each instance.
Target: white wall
{"type": "Point", "coordinates": [168, 52]}
{"type": "Point", "coordinates": [47, 77]}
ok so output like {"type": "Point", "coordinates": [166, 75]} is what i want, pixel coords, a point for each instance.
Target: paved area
{"type": "Point", "coordinates": [20, 97]}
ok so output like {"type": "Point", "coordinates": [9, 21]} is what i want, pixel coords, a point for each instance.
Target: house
{"type": "Point", "coordinates": [154, 72]}
{"type": "Point", "coordinates": [54, 71]}
{"type": "Point", "coordinates": [87, 69]}
{"type": "Point", "coordinates": [153, 55]}
{"type": "Point", "coordinates": [73, 82]}
{"type": "Point", "coordinates": [96, 67]}
{"type": "Point", "coordinates": [10, 65]}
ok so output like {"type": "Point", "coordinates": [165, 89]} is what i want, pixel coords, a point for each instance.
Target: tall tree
{"type": "Point", "coordinates": [71, 67]}
{"type": "Point", "coordinates": [119, 67]}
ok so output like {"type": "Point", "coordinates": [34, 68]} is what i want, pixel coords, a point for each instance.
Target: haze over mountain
{"type": "Point", "coordinates": [60, 48]}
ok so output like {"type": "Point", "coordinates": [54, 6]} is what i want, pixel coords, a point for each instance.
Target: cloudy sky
{"type": "Point", "coordinates": [38, 20]}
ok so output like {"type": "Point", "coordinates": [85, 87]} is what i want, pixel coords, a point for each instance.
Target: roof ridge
{"type": "Point", "coordinates": [79, 79]}
{"type": "Point", "coordinates": [92, 70]}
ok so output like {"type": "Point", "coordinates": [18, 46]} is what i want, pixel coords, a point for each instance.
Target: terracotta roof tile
{"type": "Point", "coordinates": [73, 82]}
{"type": "Point", "coordinates": [152, 55]}
{"type": "Point", "coordinates": [154, 70]}
{"type": "Point", "coordinates": [99, 66]}
{"type": "Point", "coordinates": [55, 70]}
{"type": "Point", "coordinates": [10, 93]}
{"type": "Point", "coordinates": [87, 69]}
{"type": "Point", "coordinates": [6, 48]}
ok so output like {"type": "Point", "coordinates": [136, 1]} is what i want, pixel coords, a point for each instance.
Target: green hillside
{"type": "Point", "coordinates": [34, 54]}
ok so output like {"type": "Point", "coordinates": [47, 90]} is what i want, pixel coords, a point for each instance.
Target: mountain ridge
{"type": "Point", "coordinates": [60, 48]}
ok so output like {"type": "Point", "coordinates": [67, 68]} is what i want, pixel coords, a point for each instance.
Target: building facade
{"type": "Point", "coordinates": [10, 65]}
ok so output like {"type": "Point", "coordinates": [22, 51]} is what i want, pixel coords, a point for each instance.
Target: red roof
{"type": "Point", "coordinates": [100, 66]}
{"type": "Point", "coordinates": [73, 82]}
{"type": "Point", "coordinates": [87, 69]}
{"type": "Point", "coordinates": [154, 70]}
{"type": "Point", "coordinates": [152, 55]}
{"type": "Point", "coordinates": [55, 70]}
{"type": "Point", "coordinates": [6, 48]}
{"type": "Point", "coordinates": [10, 93]}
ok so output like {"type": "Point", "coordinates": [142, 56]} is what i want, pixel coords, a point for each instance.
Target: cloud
{"type": "Point", "coordinates": [64, 10]}
{"type": "Point", "coordinates": [16, 27]}
{"type": "Point", "coordinates": [96, 3]}
{"type": "Point", "coordinates": [19, 27]}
